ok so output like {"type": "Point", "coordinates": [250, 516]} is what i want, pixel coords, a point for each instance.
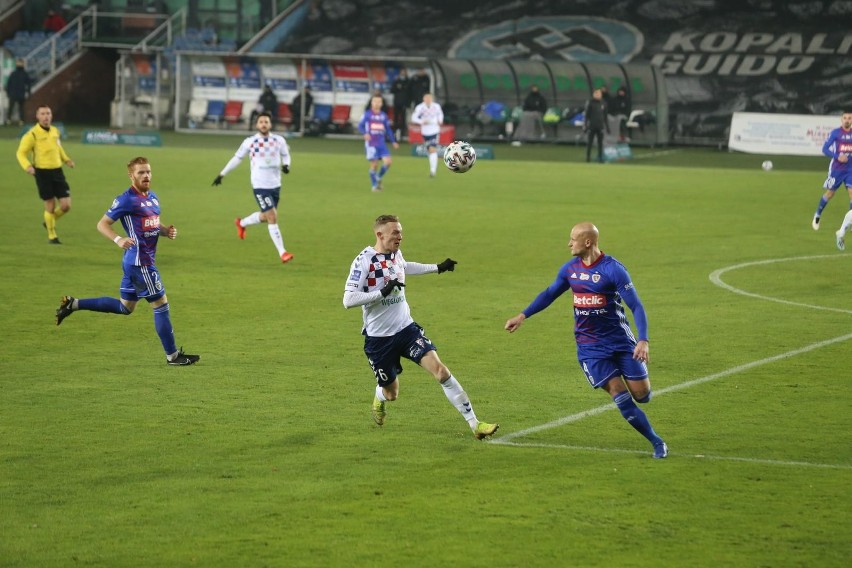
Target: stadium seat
{"type": "Point", "coordinates": [233, 112]}
{"type": "Point", "coordinates": [197, 110]}
{"type": "Point", "coordinates": [340, 114]}
{"type": "Point", "coordinates": [285, 116]}
{"type": "Point", "coordinates": [322, 113]}
{"type": "Point", "coordinates": [215, 111]}
{"type": "Point", "coordinates": [249, 111]}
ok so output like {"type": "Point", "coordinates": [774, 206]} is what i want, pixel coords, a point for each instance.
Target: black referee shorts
{"type": "Point", "coordinates": [51, 184]}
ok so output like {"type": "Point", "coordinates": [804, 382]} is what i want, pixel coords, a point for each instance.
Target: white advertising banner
{"type": "Point", "coordinates": [791, 134]}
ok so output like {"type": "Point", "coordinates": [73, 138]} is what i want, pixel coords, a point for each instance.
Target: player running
{"type": "Point", "coordinates": [138, 209]}
{"type": "Point", "coordinates": [377, 283]}
{"type": "Point", "coordinates": [838, 147]}
{"type": "Point", "coordinates": [609, 353]}
{"type": "Point", "coordinates": [430, 117]}
{"type": "Point", "coordinates": [377, 130]}
{"type": "Point", "coordinates": [270, 157]}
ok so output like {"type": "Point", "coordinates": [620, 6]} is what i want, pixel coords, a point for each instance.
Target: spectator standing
{"type": "Point", "coordinates": [18, 90]}
{"type": "Point", "coordinates": [619, 107]}
{"type": "Point", "coordinates": [418, 85]}
{"type": "Point", "coordinates": [267, 102]}
{"type": "Point", "coordinates": [304, 98]}
{"type": "Point", "coordinates": [595, 124]}
{"type": "Point", "coordinates": [401, 102]}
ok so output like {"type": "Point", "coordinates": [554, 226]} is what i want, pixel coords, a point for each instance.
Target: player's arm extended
{"type": "Point", "coordinates": [547, 296]}
{"type": "Point", "coordinates": [415, 268]}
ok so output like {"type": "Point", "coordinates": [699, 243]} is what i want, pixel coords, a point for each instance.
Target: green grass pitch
{"type": "Point", "coordinates": [264, 454]}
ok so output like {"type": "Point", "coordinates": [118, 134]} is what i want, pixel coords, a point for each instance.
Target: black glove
{"type": "Point", "coordinates": [386, 291]}
{"type": "Point", "coordinates": [448, 264]}
{"type": "Point", "coordinates": [218, 180]}
{"type": "Point", "coordinates": [285, 169]}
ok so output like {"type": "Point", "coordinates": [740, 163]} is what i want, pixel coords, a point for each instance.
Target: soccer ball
{"type": "Point", "coordinates": [459, 156]}
{"type": "Point", "coordinates": [767, 165]}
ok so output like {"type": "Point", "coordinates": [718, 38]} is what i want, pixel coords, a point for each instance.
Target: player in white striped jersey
{"type": "Point", "coordinates": [376, 282]}
{"type": "Point", "coordinates": [270, 157]}
{"type": "Point", "coordinates": [430, 116]}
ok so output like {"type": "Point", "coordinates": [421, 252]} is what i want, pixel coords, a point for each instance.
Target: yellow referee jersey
{"type": "Point", "coordinates": [44, 147]}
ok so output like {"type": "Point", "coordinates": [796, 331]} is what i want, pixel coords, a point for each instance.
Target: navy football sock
{"type": "Point", "coordinates": [635, 417]}
{"type": "Point", "coordinates": [822, 203]}
{"type": "Point", "coordinates": [106, 305]}
{"type": "Point", "coordinates": [163, 325]}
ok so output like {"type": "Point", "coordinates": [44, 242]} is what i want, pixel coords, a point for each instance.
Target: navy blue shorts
{"type": "Point", "coordinates": [622, 364]}
{"type": "Point", "coordinates": [430, 141]}
{"type": "Point", "coordinates": [267, 198]}
{"type": "Point", "coordinates": [385, 353]}
{"type": "Point", "coordinates": [141, 282]}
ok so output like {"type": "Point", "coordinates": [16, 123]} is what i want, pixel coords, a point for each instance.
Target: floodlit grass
{"type": "Point", "coordinates": [264, 454]}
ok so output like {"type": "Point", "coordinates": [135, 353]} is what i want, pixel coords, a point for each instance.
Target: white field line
{"type": "Point", "coordinates": [715, 277]}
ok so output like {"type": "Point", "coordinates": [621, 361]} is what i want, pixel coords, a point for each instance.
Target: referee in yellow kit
{"type": "Point", "coordinates": [41, 143]}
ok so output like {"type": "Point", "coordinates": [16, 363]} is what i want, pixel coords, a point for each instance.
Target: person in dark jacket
{"type": "Point", "coordinates": [595, 124]}
{"type": "Point", "coordinates": [296, 107]}
{"type": "Point", "coordinates": [268, 102]}
{"type": "Point", "coordinates": [18, 90]}
{"type": "Point", "coordinates": [401, 102]}
{"type": "Point", "coordinates": [620, 108]}
{"type": "Point", "coordinates": [535, 101]}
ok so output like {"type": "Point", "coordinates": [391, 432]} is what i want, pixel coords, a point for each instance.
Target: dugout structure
{"type": "Point", "coordinates": [481, 98]}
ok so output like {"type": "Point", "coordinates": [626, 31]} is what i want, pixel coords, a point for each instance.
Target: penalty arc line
{"type": "Point", "coordinates": [715, 277]}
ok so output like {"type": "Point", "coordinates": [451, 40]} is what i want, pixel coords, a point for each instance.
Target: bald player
{"type": "Point", "coordinates": [611, 356]}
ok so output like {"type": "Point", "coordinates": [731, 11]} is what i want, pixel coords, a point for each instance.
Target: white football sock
{"type": "Point", "coordinates": [380, 393]}
{"type": "Point", "coordinates": [433, 162]}
{"type": "Point", "coordinates": [275, 234]}
{"type": "Point", "coordinates": [847, 222]}
{"type": "Point", "coordinates": [253, 219]}
{"type": "Point", "coordinates": [456, 395]}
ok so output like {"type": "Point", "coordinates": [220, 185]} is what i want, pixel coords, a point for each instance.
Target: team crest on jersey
{"type": "Point", "coordinates": [356, 275]}
{"type": "Point", "coordinates": [596, 278]}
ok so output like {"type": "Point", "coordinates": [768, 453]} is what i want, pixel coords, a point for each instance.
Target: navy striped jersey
{"type": "Point", "coordinates": [139, 214]}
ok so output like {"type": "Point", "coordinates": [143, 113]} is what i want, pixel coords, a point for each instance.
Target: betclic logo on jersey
{"type": "Point", "coordinates": [151, 222]}
{"type": "Point", "coordinates": [584, 300]}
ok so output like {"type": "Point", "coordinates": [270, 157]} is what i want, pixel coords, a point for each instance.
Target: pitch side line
{"type": "Point", "coordinates": [695, 456]}
{"type": "Point", "coordinates": [715, 277]}
{"type": "Point", "coordinates": [680, 386]}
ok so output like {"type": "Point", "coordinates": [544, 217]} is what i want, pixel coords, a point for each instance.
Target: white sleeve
{"type": "Point", "coordinates": [238, 157]}
{"type": "Point", "coordinates": [285, 152]}
{"type": "Point", "coordinates": [415, 268]}
{"type": "Point", "coordinates": [352, 299]}
{"type": "Point", "coordinates": [440, 114]}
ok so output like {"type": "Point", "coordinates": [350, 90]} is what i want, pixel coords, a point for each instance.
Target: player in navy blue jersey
{"type": "Point", "coordinates": [610, 355]}
{"type": "Point", "coordinates": [377, 130]}
{"type": "Point", "coordinates": [138, 209]}
{"type": "Point", "coordinates": [838, 147]}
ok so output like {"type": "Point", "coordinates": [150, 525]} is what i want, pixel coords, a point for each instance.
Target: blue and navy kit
{"type": "Point", "coordinates": [601, 327]}
{"type": "Point", "coordinates": [139, 214]}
